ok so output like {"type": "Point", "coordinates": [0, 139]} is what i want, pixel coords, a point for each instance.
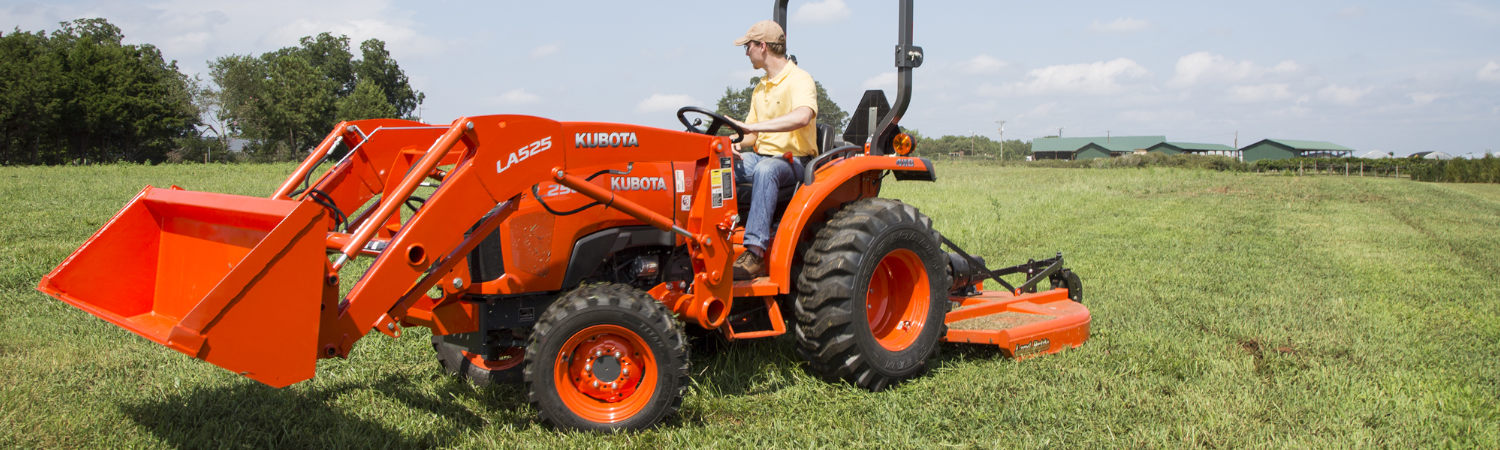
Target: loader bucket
{"type": "Point", "coordinates": [232, 280]}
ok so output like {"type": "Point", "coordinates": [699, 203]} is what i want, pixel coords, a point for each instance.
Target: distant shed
{"type": "Point", "coordinates": [1091, 147]}
{"type": "Point", "coordinates": [1056, 147]}
{"type": "Point", "coordinates": [1288, 148]}
{"type": "Point", "coordinates": [1091, 151]}
{"type": "Point", "coordinates": [1194, 148]}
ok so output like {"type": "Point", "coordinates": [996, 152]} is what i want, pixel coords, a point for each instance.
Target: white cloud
{"type": "Point", "coordinates": [1490, 72]}
{"type": "Point", "coordinates": [1120, 25]}
{"type": "Point", "coordinates": [1424, 98]}
{"type": "Point", "coordinates": [393, 33]}
{"type": "Point", "coordinates": [1342, 94]}
{"type": "Point", "coordinates": [665, 102]}
{"type": "Point", "coordinates": [1042, 110]}
{"type": "Point", "coordinates": [1157, 116]}
{"type": "Point", "coordinates": [982, 65]}
{"type": "Point", "coordinates": [1205, 67]}
{"type": "Point", "coordinates": [1260, 92]}
{"type": "Point", "coordinates": [885, 81]}
{"type": "Point", "coordinates": [826, 11]}
{"type": "Point", "coordinates": [516, 97]}
{"type": "Point", "coordinates": [1102, 77]}
{"type": "Point", "coordinates": [545, 50]}
{"type": "Point", "coordinates": [1475, 11]}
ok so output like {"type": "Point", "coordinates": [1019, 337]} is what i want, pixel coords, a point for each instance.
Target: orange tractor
{"type": "Point", "coordinates": [568, 256]}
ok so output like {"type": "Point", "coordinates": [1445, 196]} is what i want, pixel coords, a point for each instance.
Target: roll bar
{"type": "Point", "coordinates": [908, 57]}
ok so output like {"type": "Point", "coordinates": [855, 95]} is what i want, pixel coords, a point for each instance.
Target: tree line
{"type": "Point", "coordinates": [971, 146]}
{"type": "Point", "coordinates": [79, 95]}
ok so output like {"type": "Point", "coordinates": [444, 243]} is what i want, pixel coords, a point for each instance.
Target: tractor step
{"type": "Point", "coordinates": [1022, 325]}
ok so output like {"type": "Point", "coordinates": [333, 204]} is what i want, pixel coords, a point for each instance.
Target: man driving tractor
{"type": "Point", "coordinates": [782, 126]}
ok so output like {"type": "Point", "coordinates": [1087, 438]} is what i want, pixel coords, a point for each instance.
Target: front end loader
{"type": "Point", "coordinates": [573, 257]}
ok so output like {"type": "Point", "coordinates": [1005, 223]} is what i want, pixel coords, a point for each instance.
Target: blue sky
{"type": "Point", "coordinates": [1391, 76]}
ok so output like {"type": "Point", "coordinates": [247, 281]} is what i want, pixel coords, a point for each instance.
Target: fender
{"type": "Point", "coordinates": [837, 183]}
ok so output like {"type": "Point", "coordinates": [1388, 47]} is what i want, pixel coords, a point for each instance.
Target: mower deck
{"type": "Point", "coordinates": [1022, 325]}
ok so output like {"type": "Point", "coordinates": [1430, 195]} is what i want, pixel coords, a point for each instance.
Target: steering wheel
{"type": "Point", "coordinates": [716, 121]}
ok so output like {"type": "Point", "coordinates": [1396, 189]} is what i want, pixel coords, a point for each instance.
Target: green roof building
{"type": "Point", "coordinates": [1091, 147]}
{"type": "Point", "coordinates": [1194, 148]}
{"type": "Point", "coordinates": [1287, 148]}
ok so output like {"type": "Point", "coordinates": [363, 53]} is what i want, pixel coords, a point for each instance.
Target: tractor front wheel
{"type": "Point", "coordinates": [872, 295]}
{"type": "Point", "coordinates": [606, 357]}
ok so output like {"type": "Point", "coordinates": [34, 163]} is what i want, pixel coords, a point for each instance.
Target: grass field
{"type": "Point", "coordinates": [1229, 310]}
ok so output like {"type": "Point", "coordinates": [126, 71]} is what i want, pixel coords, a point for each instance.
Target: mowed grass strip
{"type": "Point", "coordinates": [1228, 310]}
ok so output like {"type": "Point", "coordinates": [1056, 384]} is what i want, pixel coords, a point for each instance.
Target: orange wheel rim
{"type": "Point", "coordinates": [509, 359]}
{"type": "Point", "coordinates": [605, 373]}
{"type": "Point", "coordinates": [896, 302]}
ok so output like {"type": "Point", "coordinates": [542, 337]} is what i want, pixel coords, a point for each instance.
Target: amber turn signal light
{"type": "Point", "coordinates": [903, 144]}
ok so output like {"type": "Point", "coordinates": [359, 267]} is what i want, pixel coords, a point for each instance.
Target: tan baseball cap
{"type": "Point", "coordinates": [765, 31]}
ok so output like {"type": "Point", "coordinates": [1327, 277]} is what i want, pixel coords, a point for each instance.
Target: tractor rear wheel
{"type": "Point", "coordinates": [606, 357]}
{"type": "Point", "coordinates": [459, 359]}
{"type": "Point", "coordinates": [872, 295]}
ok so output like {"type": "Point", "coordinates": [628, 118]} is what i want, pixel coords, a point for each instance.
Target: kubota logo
{"type": "Point", "coordinates": [526, 151]}
{"type": "Point", "coordinates": [638, 184]}
{"type": "Point", "coordinates": [591, 140]}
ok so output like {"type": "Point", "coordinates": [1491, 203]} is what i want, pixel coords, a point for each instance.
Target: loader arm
{"type": "Point", "coordinates": [500, 158]}
{"type": "Point", "coordinates": [380, 152]}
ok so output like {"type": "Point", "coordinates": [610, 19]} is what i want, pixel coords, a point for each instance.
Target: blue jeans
{"type": "Point", "coordinates": [766, 174]}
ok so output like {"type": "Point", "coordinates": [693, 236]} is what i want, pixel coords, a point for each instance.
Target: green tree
{"type": "Point", "coordinates": [378, 67]}
{"type": "Point", "coordinates": [973, 145]}
{"type": "Point", "coordinates": [367, 100]}
{"type": "Point", "coordinates": [30, 107]}
{"type": "Point", "coordinates": [286, 100]}
{"type": "Point", "coordinates": [81, 95]}
{"type": "Point", "coordinates": [736, 104]}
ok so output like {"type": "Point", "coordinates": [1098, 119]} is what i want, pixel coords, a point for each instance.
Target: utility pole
{"type": "Point", "coordinates": [222, 139]}
{"type": "Point", "coordinates": [1002, 137]}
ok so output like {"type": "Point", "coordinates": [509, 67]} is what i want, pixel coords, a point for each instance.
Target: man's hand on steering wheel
{"type": "Point", "coordinates": [716, 122]}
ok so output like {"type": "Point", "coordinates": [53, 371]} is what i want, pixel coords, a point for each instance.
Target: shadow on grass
{"type": "Point", "coordinates": [362, 414]}
{"type": "Point", "coordinates": [950, 352]}
{"type": "Point", "coordinates": [254, 415]}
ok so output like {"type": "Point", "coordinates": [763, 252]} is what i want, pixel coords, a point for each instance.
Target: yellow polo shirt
{"type": "Point", "coordinates": [777, 96]}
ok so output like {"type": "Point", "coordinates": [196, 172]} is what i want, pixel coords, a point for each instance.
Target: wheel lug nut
{"type": "Point", "coordinates": [596, 383]}
{"type": "Point", "coordinates": [617, 354]}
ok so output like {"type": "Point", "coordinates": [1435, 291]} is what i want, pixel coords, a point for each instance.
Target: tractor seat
{"type": "Point", "coordinates": [742, 190]}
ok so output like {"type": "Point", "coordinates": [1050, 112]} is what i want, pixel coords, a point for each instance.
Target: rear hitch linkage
{"type": "Point", "coordinates": [1036, 271]}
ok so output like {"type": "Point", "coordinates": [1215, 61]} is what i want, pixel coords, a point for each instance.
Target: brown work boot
{"type": "Point", "coordinates": [749, 266]}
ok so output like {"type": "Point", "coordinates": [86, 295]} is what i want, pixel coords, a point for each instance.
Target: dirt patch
{"type": "Point", "coordinates": [1251, 346]}
{"type": "Point", "coordinates": [1258, 351]}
